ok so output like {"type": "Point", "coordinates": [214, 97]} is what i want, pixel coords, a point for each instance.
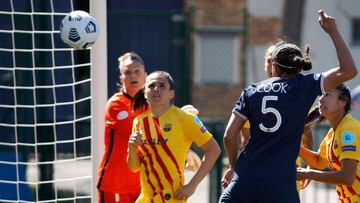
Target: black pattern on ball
{"type": "Point", "coordinates": [74, 35]}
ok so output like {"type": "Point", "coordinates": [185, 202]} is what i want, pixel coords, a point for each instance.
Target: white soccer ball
{"type": "Point", "coordinates": [79, 30]}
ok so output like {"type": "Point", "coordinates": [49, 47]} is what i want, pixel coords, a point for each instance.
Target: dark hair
{"type": "Point", "coordinates": [167, 76]}
{"type": "Point", "coordinates": [139, 101]}
{"type": "Point", "coordinates": [290, 58]}
{"type": "Point", "coordinates": [344, 94]}
{"type": "Point", "coordinates": [314, 118]}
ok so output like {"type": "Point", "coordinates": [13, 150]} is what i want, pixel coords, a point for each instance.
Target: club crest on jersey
{"type": "Point", "coordinates": [317, 76]}
{"type": "Point", "coordinates": [348, 137]}
{"type": "Point", "coordinates": [167, 127]}
{"type": "Point", "coordinates": [122, 115]}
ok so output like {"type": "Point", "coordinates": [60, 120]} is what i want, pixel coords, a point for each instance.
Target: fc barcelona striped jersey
{"type": "Point", "coordinates": [342, 144]}
{"type": "Point", "coordinates": [165, 143]}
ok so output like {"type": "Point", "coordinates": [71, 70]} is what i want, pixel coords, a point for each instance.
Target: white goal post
{"type": "Point", "coordinates": [52, 101]}
{"type": "Point", "coordinates": [98, 89]}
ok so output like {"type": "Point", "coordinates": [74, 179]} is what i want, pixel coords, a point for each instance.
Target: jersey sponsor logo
{"type": "Point", "coordinates": [273, 87]}
{"type": "Point", "coordinates": [348, 137]}
{"type": "Point", "coordinates": [167, 127]}
{"type": "Point", "coordinates": [348, 148]}
{"type": "Point", "coordinates": [122, 115]}
{"type": "Point", "coordinates": [154, 141]}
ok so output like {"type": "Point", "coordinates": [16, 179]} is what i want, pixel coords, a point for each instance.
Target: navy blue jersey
{"type": "Point", "coordinates": [277, 109]}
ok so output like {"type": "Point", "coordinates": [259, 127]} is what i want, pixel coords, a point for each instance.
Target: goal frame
{"type": "Point", "coordinates": [99, 87]}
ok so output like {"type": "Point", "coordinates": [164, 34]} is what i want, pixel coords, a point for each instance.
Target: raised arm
{"type": "Point", "coordinates": [346, 69]}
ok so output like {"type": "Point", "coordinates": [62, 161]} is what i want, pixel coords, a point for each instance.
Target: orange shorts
{"type": "Point", "coordinates": [109, 197]}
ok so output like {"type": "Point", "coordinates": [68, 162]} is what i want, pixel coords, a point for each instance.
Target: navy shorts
{"type": "Point", "coordinates": [260, 191]}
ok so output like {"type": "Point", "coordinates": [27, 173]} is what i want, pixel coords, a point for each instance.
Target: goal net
{"type": "Point", "coordinates": [45, 106]}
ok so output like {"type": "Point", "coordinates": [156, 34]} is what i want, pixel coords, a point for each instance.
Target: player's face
{"type": "Point", "coordinates": [157, 91]}
{"type": "Point", "coordinates": [329, 103]}
{"type": "Point", "coordinates": [133, 77]}
{"type": "Point", "coordinates": [268, 62]}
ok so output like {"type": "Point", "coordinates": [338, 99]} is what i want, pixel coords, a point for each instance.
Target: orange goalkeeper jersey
{"type": "Point", "coordinates": [114, 174]}
{"type": "Point", "coordinates": [165, 143]}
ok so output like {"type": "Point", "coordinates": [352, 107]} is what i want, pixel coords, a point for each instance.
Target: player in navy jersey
{"type": "Point", "coordinates": [265, 170]}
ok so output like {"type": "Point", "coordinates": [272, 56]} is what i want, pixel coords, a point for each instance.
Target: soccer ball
{"type": "Point", "coordinates": [79, 30]}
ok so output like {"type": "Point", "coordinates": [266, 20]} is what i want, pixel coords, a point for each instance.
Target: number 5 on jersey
{"type": "Point", "coordinates": [265, 110]}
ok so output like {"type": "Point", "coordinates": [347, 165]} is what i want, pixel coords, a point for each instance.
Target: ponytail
{"type": "Point", "coordinates": [305, 63]}
{"type": "Point", "coordinates": [313, 119]}
{"type": "Point", "coordinates": [291, 59]}
{"type": "Point", "coordinates": [139, 102]}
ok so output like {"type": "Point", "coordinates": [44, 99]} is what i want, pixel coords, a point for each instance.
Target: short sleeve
{"type": "Point", "coordinates": [195, 129]}
{"type": "Point", "coordinates": [322, 148]}
{"type": "Point", "coordinates": [110, 113]}
{"type": "Point", "coordinates": [349, 145]}
{"type": "Point", "coordinates": [313, 84]}
{"type": "Point", "coordinates": [241, 106]}
{"type": "Point", "coordinates": [325, 143]}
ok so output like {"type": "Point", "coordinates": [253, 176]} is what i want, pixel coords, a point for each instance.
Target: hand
{"type": "Point", "coordinates": [184, 192]}
{"type": "Point", "coordinates": [302, 173]}
{"type": "Point", "coordinates": [304, 183]}
{"type": "Point", "coordinates": [225, 181]}
{"type": "Point", "coordinates": [190, 108]}
{"type": "Point", "coordinates": [134, 141]}
{"type": "Point", "coordinates": [193, 161]}
{"type": "Point", "coordinates": [327, 22]}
